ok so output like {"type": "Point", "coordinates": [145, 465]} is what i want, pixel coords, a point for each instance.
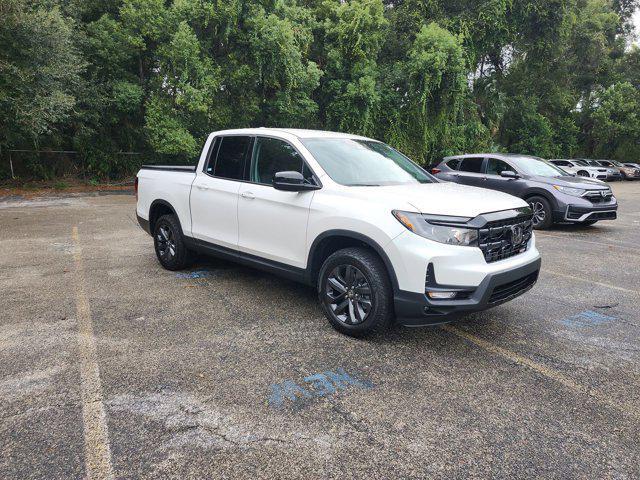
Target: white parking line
{"type": "Point", "coordinates": [96, 434]}
{"type": "Point", "coordinates": [586, 280]}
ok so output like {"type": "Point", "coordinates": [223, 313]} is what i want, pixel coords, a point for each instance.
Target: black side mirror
{"type": "Point", "coordinates": [291, 182]}
{"type": "Point", "coordinates": [509, 174]}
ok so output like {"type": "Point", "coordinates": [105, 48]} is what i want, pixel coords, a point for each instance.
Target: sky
{"type": "Point", "coordinates": [636, 22]}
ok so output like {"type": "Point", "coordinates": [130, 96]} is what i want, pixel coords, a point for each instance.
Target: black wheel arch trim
{"type": "Point", "coordinates": [313, 252]}
{"type": "Point", "coordinates": [164, 203]}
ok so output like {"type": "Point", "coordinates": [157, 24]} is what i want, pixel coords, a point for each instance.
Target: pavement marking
{"type": "Point", "coordinates": [543, 370]}
{"type": "Point", "coordinates": [317, 385]}
{"type": "Point", "coordinates": [607, 285]}
{"type": "Point", "coordinates": [624, 245]}
{"type": "Point", "coordinates": [587, 318]}
{"type": "Point", "coordinates": [96, 434]}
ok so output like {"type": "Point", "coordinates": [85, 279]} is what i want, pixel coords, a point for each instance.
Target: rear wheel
{"type": "Point", "coordinates": [542, 214]}
{"type": "Point", "coordinates": [355, 292]}
{"type": "Point", "coordinates": [169, 244]}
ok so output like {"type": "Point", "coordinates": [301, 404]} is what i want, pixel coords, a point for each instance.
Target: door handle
{"type": "Point", "coordinates": [248, 195]}
{"type": "Point", "coordinates": [203, 187]}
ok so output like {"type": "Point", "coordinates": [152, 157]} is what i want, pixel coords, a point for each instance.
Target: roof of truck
{"type": "Point", "coordinates": [296, 132]}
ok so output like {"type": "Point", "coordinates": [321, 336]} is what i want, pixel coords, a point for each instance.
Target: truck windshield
{"type": "Point", "coordinates": [355, 162]}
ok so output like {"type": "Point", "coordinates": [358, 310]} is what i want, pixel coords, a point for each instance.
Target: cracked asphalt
{"type": "Point", "coordinates": [111, 367]}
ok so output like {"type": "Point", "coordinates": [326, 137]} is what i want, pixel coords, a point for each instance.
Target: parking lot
{"type": "Point", "coordinates": [112, 367]}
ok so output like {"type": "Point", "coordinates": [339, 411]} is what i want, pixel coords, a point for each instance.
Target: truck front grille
{"type": "Point", "coordinates": [505, 238]}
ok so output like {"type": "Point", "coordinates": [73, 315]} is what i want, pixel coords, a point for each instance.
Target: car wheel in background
{"type": "Point", "coordinates": [355, 292]}
{"type": "Point", "coordinates": [169, 244]}
{"type": "Point", "coordinates": [542, 214]}
{"type": "Point", "coordinates": [582, 173]}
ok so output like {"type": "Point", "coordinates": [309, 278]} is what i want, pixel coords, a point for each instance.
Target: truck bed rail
{"type": "Point", "coordinates": [170, 168]}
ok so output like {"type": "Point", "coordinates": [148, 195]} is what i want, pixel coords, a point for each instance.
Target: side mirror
{"type": "Point", "coordinates": [509, 174]}
{"type": "Point", "coordinates": [291, 182]}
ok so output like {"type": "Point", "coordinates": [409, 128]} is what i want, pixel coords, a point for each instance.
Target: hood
{"type": "Point", "coordinates": [443, 198]}
{"type": "Point", "coordinates": [577, 182]}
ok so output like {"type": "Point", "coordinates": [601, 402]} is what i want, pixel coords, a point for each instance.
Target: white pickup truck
{"type": "Point", "coordinates": [379, 237]}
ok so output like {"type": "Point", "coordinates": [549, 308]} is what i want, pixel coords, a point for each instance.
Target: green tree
{"type": "Point", "coordinates": [40, 70]}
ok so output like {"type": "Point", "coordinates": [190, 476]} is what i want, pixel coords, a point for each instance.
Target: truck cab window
{"type": "Point", "coordinates": [271, 155]}
{"type": "Point", "coordinates": [231, 155]}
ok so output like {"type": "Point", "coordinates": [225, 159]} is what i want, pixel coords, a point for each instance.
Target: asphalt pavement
{"type": "Point", "coordinates": [111, 367]}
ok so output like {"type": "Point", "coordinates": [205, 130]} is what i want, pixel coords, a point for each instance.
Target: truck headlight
{"type": "Point", "coordinates": [449, 234]}
{"type": "Point", "coordinates": [575, 192]}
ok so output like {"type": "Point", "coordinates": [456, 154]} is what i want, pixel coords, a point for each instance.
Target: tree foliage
{"type": "Point", "coordinates": [432, 77]}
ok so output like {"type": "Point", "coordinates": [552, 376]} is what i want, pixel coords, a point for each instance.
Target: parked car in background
{"type": "Point", "coordinates": [612, 172]}
{"type": "Point", "coordinates": [581, 168]}
{"type": "Point", "coordinates": [628, 173]}
{"type": "Point", "coordinates": [554, 195]}
{"type": "Point", "coordinates": [632, 164]}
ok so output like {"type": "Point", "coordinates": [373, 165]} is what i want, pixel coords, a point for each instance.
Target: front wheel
{"type": "Point", "coordinates": [169, 244]}
{"type": "Point", "coordinates": [582, 173]}
{"type": "Point", "coordinates": [542, 214]}
{"type": "Point", "coordinates": [355, 292]}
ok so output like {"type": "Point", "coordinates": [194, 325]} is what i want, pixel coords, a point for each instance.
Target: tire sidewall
{"type": "Point", "coordinates": [180, 259]}
{"type": "Point", "coordinates": [377, 318]}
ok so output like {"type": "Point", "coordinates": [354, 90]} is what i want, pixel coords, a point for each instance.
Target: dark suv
{"type": "Point", "coordinates": [553, 194]}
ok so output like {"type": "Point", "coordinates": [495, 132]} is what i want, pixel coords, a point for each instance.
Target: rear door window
{"type": "Point", "coordinates": [471, 165]}
{"type": "Point", "coordinates": [232, 153]}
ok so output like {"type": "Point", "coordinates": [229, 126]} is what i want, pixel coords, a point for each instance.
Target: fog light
{"type": "Point", "coordinates": [441, 295]}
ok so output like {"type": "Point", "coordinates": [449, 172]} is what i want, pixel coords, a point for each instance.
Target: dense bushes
{"type": "Point", "coordinates": [546, 77]}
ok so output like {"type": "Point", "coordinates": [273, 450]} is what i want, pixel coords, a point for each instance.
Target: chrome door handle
{"type": "Point", "coordinates": [248, 195]}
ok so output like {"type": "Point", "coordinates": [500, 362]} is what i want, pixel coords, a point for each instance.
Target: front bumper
{"type": "Point", "coordinates": [578, 214]}
{"type": "Point", "coordinates": [417, 309]}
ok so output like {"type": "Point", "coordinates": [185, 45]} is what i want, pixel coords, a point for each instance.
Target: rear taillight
{"type": "Point", "coordinates": [136, 188]}
{"type": "Point", "coordinates": [435, 170]}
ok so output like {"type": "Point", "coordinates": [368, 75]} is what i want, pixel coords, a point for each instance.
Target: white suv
{"type": "Point", "coordinates": [379, 237]}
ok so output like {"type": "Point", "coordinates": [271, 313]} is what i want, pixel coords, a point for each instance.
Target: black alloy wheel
{"type": "Point", "coordinates": [348, 294]}
{"type": "Point", "coordinates": [166, 243]}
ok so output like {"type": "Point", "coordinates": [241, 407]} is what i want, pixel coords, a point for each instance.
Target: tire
{"type": "Point", "coordinates": [169, 244]}
{"type": "Point", "coordinates": [582, 173]}
{"type": "Point", "coordinates": [542, 214]}
{"type": "Point", "coordinates": [343, 282]}
{"type": "Point", "coordinates": [589, 222]}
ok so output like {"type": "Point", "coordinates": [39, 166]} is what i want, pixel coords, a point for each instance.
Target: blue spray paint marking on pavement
{"type": "Point", "coordinates": [195, 274]}
{"type": "Point", "coordinates": [588, 318]}
{"type": "Point", "coordinates": [316, 385]}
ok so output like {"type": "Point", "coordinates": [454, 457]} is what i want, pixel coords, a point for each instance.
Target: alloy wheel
{"type": "Point", "coordinates": [539, 214]}
{"type": "Point", "coordinates": [166, 243]}
{"type": "Point", "coordinates": [348, 294]}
